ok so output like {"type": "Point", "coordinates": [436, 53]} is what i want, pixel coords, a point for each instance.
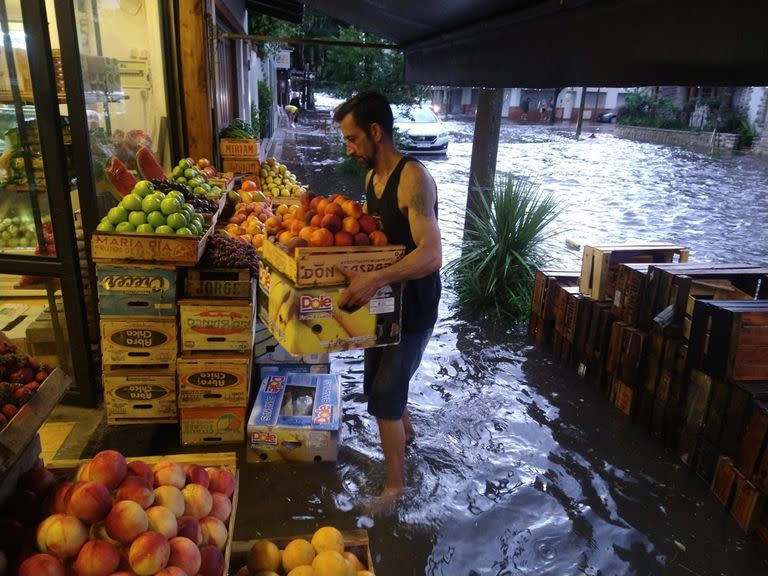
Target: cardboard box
{"type": "Point", "coordinates": [239, 148]}
{"type": "Point", "coordinates": [266, 370]}
{"type": "Point", "coordinates": [308, 320]}
{"type": "Point", "coordinates": [316, 266]}
{"type": "Point", "coordinates": [135, 340]}
{"type": "Point", "coordinates": [213, 379]}
{"type": "Point", "coordinates": [220, 425]}
{"type": "Point", "coordinates": [216, 324]}
{"type": "Point", "coordinates": [136, 290]}
{"type": "Point", "coordinates": [276, 354]}
{"type": "Point", "coordinates": [296, 417]}
{"type": "Point", "coordinates": [138, 395]}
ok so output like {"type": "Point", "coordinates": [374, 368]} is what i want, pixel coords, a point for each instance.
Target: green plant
{"type": "Point", "coordinates": [265, 104]}
{"type": "Point", "coordinates": [494, 274]}
{"type": "Point", "coordinates": [255, 116]}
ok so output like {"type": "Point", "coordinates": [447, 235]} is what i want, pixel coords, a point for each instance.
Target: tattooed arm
{"type": "Point", "coordinates": [416, 197]}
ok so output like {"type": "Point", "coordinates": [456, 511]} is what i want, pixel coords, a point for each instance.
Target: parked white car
{"type": "Point", "coordinates": [422, 130]}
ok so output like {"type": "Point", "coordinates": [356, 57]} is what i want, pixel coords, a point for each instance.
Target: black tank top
{"type": "Point", "coordinates": [420, 297]}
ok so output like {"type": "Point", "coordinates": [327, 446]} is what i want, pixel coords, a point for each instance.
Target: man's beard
{"type": "Point", "coordinates": [369, 161]}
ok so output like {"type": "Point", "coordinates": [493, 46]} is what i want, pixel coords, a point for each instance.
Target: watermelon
{"type": "Point", "coordinates": [120, 177]}
{"type": "Point", "coordinates": [149, 167]}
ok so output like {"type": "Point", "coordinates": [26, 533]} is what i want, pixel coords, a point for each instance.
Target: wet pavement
{"type": "Point", "coordinates": [520, 468]}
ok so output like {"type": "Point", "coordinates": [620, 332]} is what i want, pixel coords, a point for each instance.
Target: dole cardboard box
{"type": "Point", "coordinates": [136, 290]}
{"type": "Point", "coordinates": [265, 370]}
{"type": "Point", "coordinates": [296, 417]}
{"type": "Point", "coordinates": [309, 321]}
{"type": "Point", "coordinates": [213, 379]}
{"type": "Point", "coordinates": [273, 353]}
{"type": "Point", "coordinates": [201, 426]}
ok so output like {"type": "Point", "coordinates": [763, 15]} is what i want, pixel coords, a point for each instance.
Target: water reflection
{"type": "Point", "coordinates": [520, 468]}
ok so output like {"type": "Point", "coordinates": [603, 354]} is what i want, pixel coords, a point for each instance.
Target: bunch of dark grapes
{"type": "Point", "coordinates": [199, 203]}
{"type": "Point", "coordinates": [225, 252]}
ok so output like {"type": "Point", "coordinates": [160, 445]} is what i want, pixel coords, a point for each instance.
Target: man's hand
{"type": "Point", "coordinates": [362, 287]}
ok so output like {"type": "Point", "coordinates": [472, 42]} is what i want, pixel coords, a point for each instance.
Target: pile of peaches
{"type": "Point", "coordinates": [120, 518]}
{"type": "Point", "coordinates": [315, 222]}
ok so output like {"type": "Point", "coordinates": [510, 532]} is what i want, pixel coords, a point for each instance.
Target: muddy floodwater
{"type": "Point", "coordinates": [520, 468]}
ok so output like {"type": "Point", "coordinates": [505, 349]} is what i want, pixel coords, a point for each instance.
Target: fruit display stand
{"type": "Point", "coordinates": [19, 441]}
{"type": "Point", "coordinates": [355, 541]}
{"type": "Point", "coordinates": [227, 460]}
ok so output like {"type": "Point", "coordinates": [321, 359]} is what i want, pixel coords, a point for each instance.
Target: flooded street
{"type": "Point", "coordinates": [520, 468]}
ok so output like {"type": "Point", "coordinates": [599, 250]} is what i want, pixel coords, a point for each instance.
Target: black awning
{"type": "Point", "coordinates": [288, 10]}
{"type": "Point", "coordinates": [544, 43]}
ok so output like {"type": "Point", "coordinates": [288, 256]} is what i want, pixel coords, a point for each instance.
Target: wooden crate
{"type": "Point", "coordinates": [743, 394]}
{"type": "Point", "coordinates": [632, 361]}
{"type": "Point", "coordinates": [239, 148]}
{"type": "Point", "coordinates": [729, 339]}
{"type": "Point", "coordinates": [697, 400]}
{"type": "Point", "coordinates": [542, 302]}
{"type": "Point", "coordinates": [599, 265]}
{"type": "Point", "coordinates": [748, 504]}
{"type": "Point", "coordinates": [130, 289]}
{"type": "Point", "coordinates": [202, 426]}
{"type": "Point", "coordinates": [140, 394]}
{"type": "Point", "coordinates": [177, 250]}
{"type": "Point", "coordinates": [724, 481]}
{"type": "Point", "coordinates": [228, 460]}
{"type": "Point", "coordinates": [213, 379]}
{"type": "Point", "coordinates": [720, 395]}
{"type": "Point", "coordinates": [217, 325]}
{"type": "Point", "coordinates": [219, 283]}
{"type": "Point", "coordinates": [241, 165]}
{"type": "Point", "coordinates": [355, 541]}
{"type": "Point", "coordinates": [753, 441]}
{"type": "Point", "coordinates": [317, 266]}
{"type": "Point", "coordinates": [134, 340]}
{"type": "Point", "coordinates": [670, 285]}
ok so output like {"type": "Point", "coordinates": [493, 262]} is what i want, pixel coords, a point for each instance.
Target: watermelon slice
{"type": "Point", "coordinates": [120, 177]}
{"type": "Point", "coordinates": [149, 167]}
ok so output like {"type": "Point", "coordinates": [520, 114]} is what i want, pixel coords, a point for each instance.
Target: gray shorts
{"type": "Point", "coordinates": [388, 372]}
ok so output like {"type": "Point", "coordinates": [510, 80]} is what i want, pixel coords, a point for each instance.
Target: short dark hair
{"type": "Point", "coordinates": [367, 108]}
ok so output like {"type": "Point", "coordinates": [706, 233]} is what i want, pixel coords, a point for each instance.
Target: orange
{"type": "Point", "coordinates": [258, 240]}
{"type": "Point", "coordinates": [249, 186]}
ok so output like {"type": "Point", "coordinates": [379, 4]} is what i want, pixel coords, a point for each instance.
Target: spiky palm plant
{"type": "Point", "coordinates": [494, 274]}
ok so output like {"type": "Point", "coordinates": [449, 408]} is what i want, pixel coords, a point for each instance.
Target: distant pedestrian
{"type": "Point", "coordinates": [525, 107]}
{"type": "Point", "coordinates": [543, 109]}
{"type": "Point", "coordinates": [293, 113]}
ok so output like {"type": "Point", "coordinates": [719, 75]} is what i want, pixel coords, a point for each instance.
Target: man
{"type": "Point", "coordinates": [402, 195]}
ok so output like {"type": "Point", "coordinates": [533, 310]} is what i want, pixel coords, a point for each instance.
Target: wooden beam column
{"type": "Point", "coordinates": [485, 148]}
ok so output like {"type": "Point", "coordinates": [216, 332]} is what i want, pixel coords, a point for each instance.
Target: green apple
{"type": "Point", "coordinates": [105, 227]}
{"type": "Point", "coordinates": [177, 220]}
{"type": "Point", "coordinates": [143, 187]}
{"type": "Point", "coordinates": [137, 218]}
{"type": "Point", "coordinates": [117, 214]}
{"type": "Point", "coordinates": [199, 191]}
{"type": "Point", "coordinates": [156, 219]}
{"type": "Point", "coordinates": [184, 231]}
{"type": "Point", "coordinates": [170, 206]}
{"type": "Point", "coordinates": [150, 204]}
{"type": "Point", "coordinates": [175, 194]}
{"type": "Point", "coordinates": [164, 230]}
{"type": "Point", "coordinates": [145, 228]}
{"type": "Point", "coordinates": [125, 227]}
{"type": "Point", "coordinates": [181, 180]}
{"type": "Point", "coordinates": [131, 202]}
{"type": "Point", "coordinates": [190, 173]}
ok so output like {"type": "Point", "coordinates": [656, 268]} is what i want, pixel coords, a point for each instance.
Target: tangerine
{"type": "Point", "coordinates": [249, 185]}
{"type": "Point", "coordinates": [328, 538]}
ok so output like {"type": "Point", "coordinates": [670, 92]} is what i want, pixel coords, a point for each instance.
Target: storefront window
{"type": "Point", "coordinates": [123, 81]}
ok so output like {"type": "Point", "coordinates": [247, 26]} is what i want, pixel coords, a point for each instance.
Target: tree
{"type": "Point", "coordinates": [347, 70]}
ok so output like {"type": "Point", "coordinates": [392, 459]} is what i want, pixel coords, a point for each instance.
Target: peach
{"type": "Point", "coordinates": [342, 238]}
{"type": "Point", "coordinates": [169, 473]}
{"type": "Point", "coordinates": [184, 554]}
{"type": "Point", "coordinates": [63, 536]}
{"type": "Point", "coordinates": [42, 531]}
{"type": "Point", "coordinates": [189, 527]}
{"type": "Point", "coordinates": [97, 558]}
{"type": "Point", "coordinates": [98, 531]}
{"type": "Point", "coordinates": [136, 488]}
{"type": "Point", "coordinates": [170, 497]}
{"type": "Point", "coordinates": [222, 507]}
{"type": "Point", "coordinates": [316, 220]}
{"type": "Point", "coordinates": [163, 521]}
{"type": "Point", "coordinates": [331, 222]}
{"type": "Point", "coordinates": [197, 501]}
{"type": "Point", "coordinates": [222, 481]}
{"type": "Point", "coordinates": [41, 565]}
{"type": "Point", "coordinates": [367, 223]}
{"type": "Point", "coordinates": [352, 209]}
{"type": "Point", "coordinates": [378, 238]}
{"type": "Point", "coordinates": [108, 467]}
{"type": "Point", "coordinates": [172, 571]}
{"type": "Point", "coordinates": [321, 237]}
{"type": "Point", "coordinates": [350, 225]}
{"type": "Point", "coordinates": [39, 480]}
{"type": "Point", "coordinates": [197, 475]}
{"type": "Point", "coordinates": [334, 209]}
{"type": "Point", "coordinates": [361, 239]}
{"type": "Point", "coordinates": [214, 532]}
{"type": "Point", "coordinates": [90, 502]}
{"type": "Point", "coordinates": [83, 472]}
{"type": "Point", "coordinates": [61, 496]}
{"type": "Point", "coordinates": [149, 553]}
{"type": "Point", "coordinates": [141, 468]}
{"type": "Point", "coordinates": [211, 561]}
{"type": "Point", "coordinates": [126, 521]}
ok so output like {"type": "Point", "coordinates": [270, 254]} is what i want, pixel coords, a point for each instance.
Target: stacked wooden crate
{"type": "Point", "coordinates": [240, 155]}
{"type": "Point", "coordinates": [217, 325]}
{"type": "Point", "coordinates": [137, 307]}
